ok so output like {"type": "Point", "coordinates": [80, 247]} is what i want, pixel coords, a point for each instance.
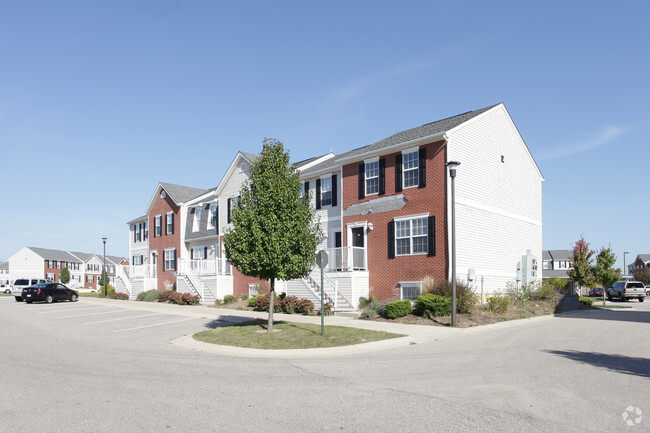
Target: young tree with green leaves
{"type": "Point", "coordinates": [275, 232]}
{"type": "Point", "coordinates": [64, 276]}
{"type": "Point", "coordinates": [603, 272]}
{"type": "Point", "coordinates": [582, 272]}
{"type": "Point", "coordinates": [103, 281]}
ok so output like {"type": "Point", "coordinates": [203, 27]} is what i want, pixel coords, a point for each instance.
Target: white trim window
{"type": "Point", "coordinates": [49, 277]}
{"type": "Point", "coordinates": [145, 236]}
{"type": "Point", "coordinates": [169, 220]}
{"type": "Point", "coordinates": [138, 233]}
{"type": "Point", "coordinates": [326, 191]}
{"type": "Point", "coordinates": [410, 290]}
{"type": "Point", "coordinates": [137, 260]}
{"type": "Point", "coordinates": [157, 225]}
{"type": "Point", "coordinates": [253, 290]}
{"type": "Point", "coordinates": [212, 220]}
{"type": "Point", "coordinates": [198, 253]}
{"type": "Point", "coordinates": [410, 166]}
{"type": "Point", "coordinates": [411, 236]}
{"type": "Point", "coordinates": [90, 278]}
{"type": "Point", "coordinates": [372, 176]}
{"type": "Point", "coordinates": [196, 224]}
{"type": "Point", "coordinates": [170, 260]}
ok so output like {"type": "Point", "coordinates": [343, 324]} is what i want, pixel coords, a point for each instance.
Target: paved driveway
{"type": "Point", "coordinates": [108, 366]}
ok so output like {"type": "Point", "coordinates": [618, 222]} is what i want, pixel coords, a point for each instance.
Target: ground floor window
{"type": "Point", "coordinates": [253, 289]}
{"type": "Point", "coordinates": [410, 291]}
{"type": "Point", "coordinates": [90, 278]}
{"type": "Point", "coordinates": [50, 277]}
{"type": "Point", "coordinates": [170, 260]}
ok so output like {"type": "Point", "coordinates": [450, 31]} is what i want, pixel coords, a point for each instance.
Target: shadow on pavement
{"type": "Point", "coordinates": [617, 363]}
{"type": "Point", "coordinates": [224, 321]}
{"type": "Point", "coordinates": [617, 315]}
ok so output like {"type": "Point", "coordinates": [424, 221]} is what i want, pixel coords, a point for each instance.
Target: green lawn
{"type": "Point", "coordinates": [610, 306]}
{"type": "Point", "coordinates": [289, 335]}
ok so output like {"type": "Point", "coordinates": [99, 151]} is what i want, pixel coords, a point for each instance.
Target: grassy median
{"type": "Point", "coordinates": [289, 335]}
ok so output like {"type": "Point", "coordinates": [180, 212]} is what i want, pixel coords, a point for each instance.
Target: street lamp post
{"type": "Point", "coordinates": [452, 174]}
{"type": "Point", "coordinates": [624, 268]}
{"type": "Point", "coordinates": [104, 269]}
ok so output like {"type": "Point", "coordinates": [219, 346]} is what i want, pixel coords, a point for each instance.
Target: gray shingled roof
{"type": "Point", "coordinates": [82, 256]}
{"type": "Point", "coordinates": [182, 194]}
{"type": "Point", "coordinates": [553, 273]}
{"type": "Point", "coordinates": [138, 220]}
{"type": "Point", "coordinates": [426, 130]}
{"type": "Point", "coordinates": [4, 266]}
{"type": "Point", "coordinates": [644, 257]}
{"type": "Point", "coordinates": [561, 254]}
{"type": "Point", "coordinates": [57, 255]}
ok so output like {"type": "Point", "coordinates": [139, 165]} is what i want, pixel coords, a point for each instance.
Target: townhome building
{"type": "Point", "coordinates": [5, 277]}
{"type": "Point", "coordinates": [557, 263]}
{"type": "Point", "coordinates": [84, 268]}
{"type": "Point", "coordinates": [386, 207]}
{"type": "Point", "coordinates": [642, 261]}
{"type": "Point", "coordinates": [385, 213]}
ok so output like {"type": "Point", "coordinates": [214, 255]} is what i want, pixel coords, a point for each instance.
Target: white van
{"type": "Point", "coordinates": [18, 286]}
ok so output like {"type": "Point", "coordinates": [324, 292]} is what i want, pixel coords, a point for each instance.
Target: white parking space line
{"type": "Point", "coordinates": [58, 310]}
{"type": "Point", "coordinates": [91, 314]}
{"type": "Point", "coordinates": [124, 318]}
{"type": "Point", "coordinates": [156, 324]}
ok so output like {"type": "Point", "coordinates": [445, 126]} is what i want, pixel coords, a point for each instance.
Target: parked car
{"type": "Point", "coordinates": [86, 290]}
{"type": "Point", "coordinates": [20, 283]}
{"type": "Point", "coordinates": [5, 288]}
{"type": "Point", "coordinates": [624, 290]}
{"type": "Point", "coordinates": [596, 291]}
{"type": "Point", "coordinates": [49, 292]}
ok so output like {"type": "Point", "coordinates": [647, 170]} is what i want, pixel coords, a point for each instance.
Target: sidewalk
{"type": "Point", "coordinates": [414, 334]}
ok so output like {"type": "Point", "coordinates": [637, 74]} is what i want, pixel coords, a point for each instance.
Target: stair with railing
{"type": "Point", "coordinates": [331, 293]}
{"type": "Point", "coordinates": [196, 284]}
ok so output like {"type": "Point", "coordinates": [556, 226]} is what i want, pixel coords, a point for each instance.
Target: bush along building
{"type": "Point", "coordinates": [385, 214]}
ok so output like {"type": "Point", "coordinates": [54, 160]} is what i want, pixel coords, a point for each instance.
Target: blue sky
{"type": "Point", "coordinates": [100, 101]}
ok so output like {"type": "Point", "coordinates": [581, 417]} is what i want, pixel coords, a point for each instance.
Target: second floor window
{"type": "Point", "coordinates": [212, 222]}
{"type": "Point", "coordinates": [372, 177]}
{"type": "Point", "coordinates": [196, 225]}
{"type": "Point", "coordinates": [157, 225]}
{"type": "Point", "coordinates": [169, 226]}
{"type": "Point", "coordinates": [326, 191]}
{"type": "Point", "coordinates": [410, 166]}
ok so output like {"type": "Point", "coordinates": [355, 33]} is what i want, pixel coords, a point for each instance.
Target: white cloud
{"type": "Point", "coordinates": [604, 137]}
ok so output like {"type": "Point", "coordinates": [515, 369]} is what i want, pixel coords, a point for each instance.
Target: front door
{"type": "Point", "coordinates": [358, 253]}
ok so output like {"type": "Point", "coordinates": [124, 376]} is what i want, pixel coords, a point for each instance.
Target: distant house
{"type": "Point", "coordinates": [642, 261]}
{"type": "Point", "coordinates": [557, 263]}
{"type": "Point", "coordinates": [34, 262]}
{"type": "Point", "coordinates": [5, 278]}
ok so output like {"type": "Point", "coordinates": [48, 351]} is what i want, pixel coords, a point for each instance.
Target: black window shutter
{"type": "Point", "coordinates": [216, 217]}
{"type": "Point", "coordinates": [229, 200]}
{"type": "Point", "coordinates": [174, 264]}
{"type": "Point", "coordinates": [191, 253]}
{"type": "Point", "coordinates": [422, 169]}
{"type": "Point", "coordinates": [431, 229]}
{"type": "Point", "coordinates": [382, 176]}
{"type": "Point", "coordinates": [205, 252]}
{"type": "Point", "coordinates": [335, 190]}
{"type": "Point", "coordinates": [362, 181]}
{"type": "Point", "coordinates": [207, 206]}
{"type": "Point", "coordinates": [317, 193]}
{"type": "Point", "coordinates": [134, 239]}
{"type": "Point", "coordinates": [172, 218]}
{"type": "Point", "coordinates": [391, 240]}
{"type": "Point", "coordinates": [306, 191]}
{"type": "Point", "coordinates": [398, 172]}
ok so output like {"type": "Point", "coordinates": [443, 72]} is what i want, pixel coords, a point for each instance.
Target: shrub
{"type": "Point", "coordinates": [305, 306]}
{"type": "Point", "coordinates": [151, 295]}
{"type": "Point", "coordinates": [118, 295]}
{"type": "Point", "coordinates": [252, 302]}
{"type": "Point", "coordinates": [499, 304]}
{"type": "Point", "coordinates": [586, 301]}
{"type": "Point", "coordinates": [373, 309]}
{"type": "Point", "coordinates": [327, 309]}
{"type": "Point", "coordinates": [289, 304]}
{"type": "Point", "coordinates": [430, 305]}
{"type": "Point", "coordinates": [244, 297]}
{"type": "Point", "coordinates": [281, 296]}
{"type": "Point", "coordinates": [261, 303]}
{"type": "Point", "coordinates": [218, 302]}
{"type": "Point", "coordinates": [141, 296]}
{"type": "Point", "coordinates": [466, 299]}
{"type": "Point", "coordinates": [164, 295]}
{"type": "Point", "coordinates": [394, 310]}
{"type": "Point", "coordinates": [229, 299]}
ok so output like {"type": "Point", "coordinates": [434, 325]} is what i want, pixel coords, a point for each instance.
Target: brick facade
{"type": "Point", "coordinates": [162, 206]}
{"type": "Point", "coordinates": [386, 273]}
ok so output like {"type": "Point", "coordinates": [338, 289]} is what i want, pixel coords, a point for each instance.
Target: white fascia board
{"type": "Point", "coordinates": [203, 198]}
{"type": "Point", "coordinates": [317, 161]}
{"type": "Point", "coordinates": [229, 172]}
{"type": "Point", "coordinates": [501, 106]}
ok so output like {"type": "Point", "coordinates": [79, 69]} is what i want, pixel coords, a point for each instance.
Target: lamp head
{"type": "Point", "coordinates": [452, 167]}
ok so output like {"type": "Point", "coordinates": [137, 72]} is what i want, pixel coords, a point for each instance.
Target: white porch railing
{"type": "Point", "coordinates": [139, 271]}
{"type": "Point", "coordinates": [185, 268]}
{"type": "Point", "coordinates": [345, 259]}
{"type": "Point", "coordinates": [205, 267]}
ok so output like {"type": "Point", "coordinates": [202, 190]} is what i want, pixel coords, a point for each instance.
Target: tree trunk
{"type": "Point", "coordinates": [269, 326]}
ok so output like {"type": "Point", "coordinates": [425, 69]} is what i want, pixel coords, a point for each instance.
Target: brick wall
{"type": "Point", "coordinates": [162, 206]}
{"type": "Point", "coordinates": [385, 274]}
